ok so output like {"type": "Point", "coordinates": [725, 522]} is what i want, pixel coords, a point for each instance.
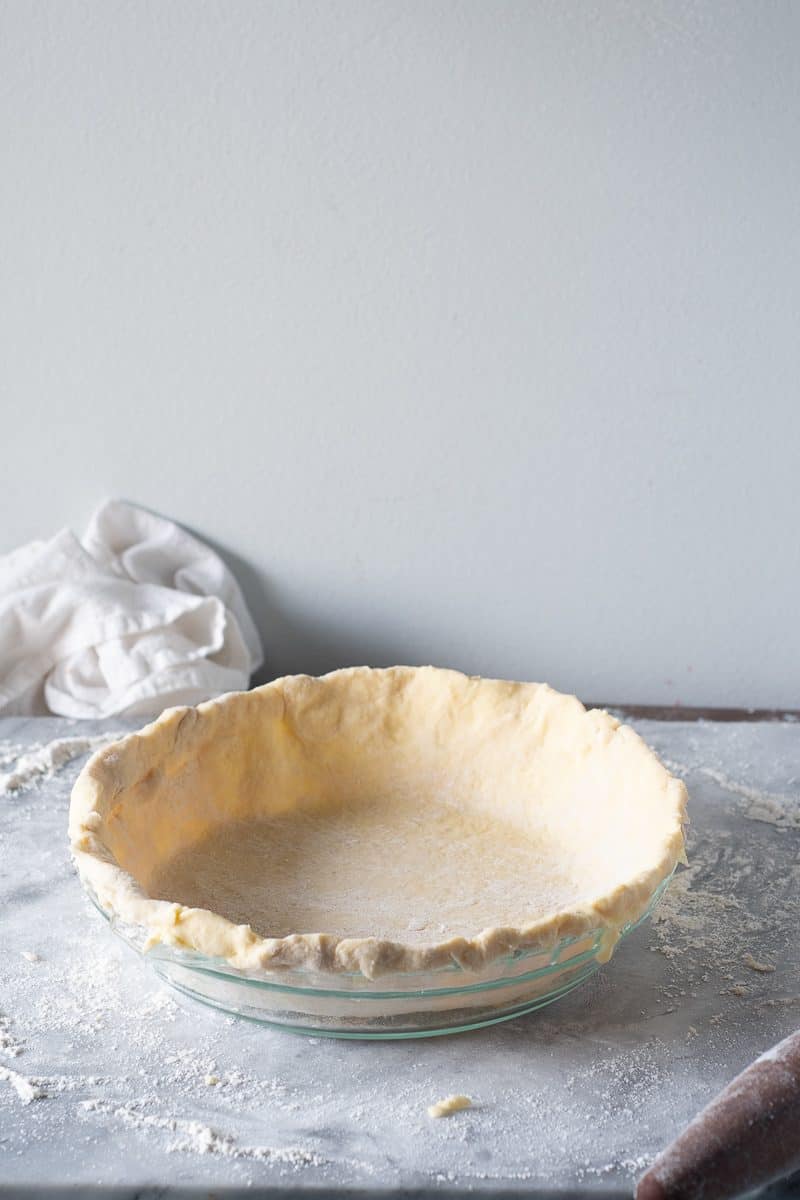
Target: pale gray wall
{"type": "Point", "coordinates": [471, 329]}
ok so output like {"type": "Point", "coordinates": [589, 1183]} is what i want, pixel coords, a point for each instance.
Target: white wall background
{"type": "Point", "coordinates": [469, 330]}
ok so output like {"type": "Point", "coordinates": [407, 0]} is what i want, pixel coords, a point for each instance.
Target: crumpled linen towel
{"type": "Point", "coordinates": [136, 617]}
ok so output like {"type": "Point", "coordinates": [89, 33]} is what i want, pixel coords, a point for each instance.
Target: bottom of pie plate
{"type": "Point", "coordinates": [413, 1004]}
{"type": "Point", "coordinates": [416, 1023]}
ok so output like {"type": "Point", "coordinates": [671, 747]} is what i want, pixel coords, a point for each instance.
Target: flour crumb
{"type": "Point", "coordinates": [25, 1088]}
{"type": "Point", "coordinates": [211, 1080]}
{"type": "Point", "coordinates": [763, 967]}
{"type": "Point", "coordinates": [448, 1106]}
{"type": "Point", "coordinates": [31, 956]}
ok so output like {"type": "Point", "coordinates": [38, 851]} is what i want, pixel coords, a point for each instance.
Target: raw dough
{"type": "Point", "coordinates": [377, 821]}
{"type": "Point", "coordinates": [452, 1104]}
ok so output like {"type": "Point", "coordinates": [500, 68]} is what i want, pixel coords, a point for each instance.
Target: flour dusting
{"type": "Point", "coordinates": [9, 1045]}
{"type": "Point", "coordinates": [197, 1138]}
{"type": "Point", "coordinates": [692, 918]}
{"type": "Point", "coordinates": [10, 752]}
{"type": "Point", "coordinates": [781, 811]}
{"type": "Point", "coordinates": [26, 1089]}
{"type": "Point", "coordinates": [44, 761]}
{"type": "Point", "coordinates": [769, 807]}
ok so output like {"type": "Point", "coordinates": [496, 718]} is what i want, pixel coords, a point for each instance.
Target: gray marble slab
{"type": "Point", "coordinates": [147, 1094]}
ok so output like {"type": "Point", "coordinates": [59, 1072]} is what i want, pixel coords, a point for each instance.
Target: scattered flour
{"type": "Point", "coordinates": [42, 762]}
{"type": "Point", "coordinates": [88, 998]}
{"type": "Point", "coordinates": [782, 811]}
{"type": "Point", "coordinates": [631, 1166]}
{"type": "Point", "coordinates": [711, 911]}
{"type": "Point", "coordinates": [769, 807]}
{"type": "Point", "coordinates": [9, 1045]}
{"type": "Point", "coordinates": [196, 1138]}
{"type": "Point", "coordinates": [692, 918]}
{"type": "Point", "coordinates": [160, 1005]}
{"type": "Point", "coordinates": [10, 752]}
{"type": "Point", "coordinates": [26, 1089]}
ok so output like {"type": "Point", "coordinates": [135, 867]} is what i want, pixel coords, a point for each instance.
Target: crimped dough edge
{"type": "Point", "coordinates": [121, 764]}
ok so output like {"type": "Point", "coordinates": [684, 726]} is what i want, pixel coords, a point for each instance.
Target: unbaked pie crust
{"type": "Point", "coordinates": [377, 821]}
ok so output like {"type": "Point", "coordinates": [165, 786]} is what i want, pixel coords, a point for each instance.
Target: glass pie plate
{"type": "Point", "coordinates": [450, 999]}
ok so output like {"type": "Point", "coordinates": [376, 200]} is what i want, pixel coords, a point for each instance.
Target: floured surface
{"type": "Point", "coordinates": [576, 1099]}
{"type": "Point", "coordinates": [394, 868]}
{"type": "Point", "coordinates": [34, 764]}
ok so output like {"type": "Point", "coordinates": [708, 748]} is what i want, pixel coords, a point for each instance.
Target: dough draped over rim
{"type": "Point", "coordinates": [576, 782]}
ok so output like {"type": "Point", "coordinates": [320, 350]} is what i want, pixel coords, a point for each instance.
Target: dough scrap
{"type": "Point", "coordinates": [764, 968]}
{"type": "Point", "coordinates": [448, 1106]}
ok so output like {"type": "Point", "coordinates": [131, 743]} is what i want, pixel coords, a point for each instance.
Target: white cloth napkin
{"type": "Point", "coordinates": [138, 616]}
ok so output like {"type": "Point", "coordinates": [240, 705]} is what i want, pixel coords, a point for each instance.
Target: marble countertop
{"type": "Point", "coordinates": [113, 1086]}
